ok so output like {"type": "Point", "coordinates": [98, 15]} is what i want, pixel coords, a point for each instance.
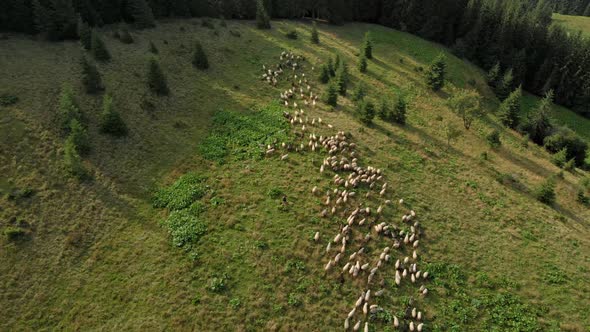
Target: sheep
{"type": "Point", "coordinates": [352, 312]}
{"type": "Point", "coordinates": [425, 291]}
{"type": "Point", "coordinates": [357, 326]}
{"type": "Point", "coordinates": [401, 201]}
{"type": "Point", "coordinates": [415, 245]}
{"type": "Point", "coordinates": [366, 308]}
{"type": "Point", "coordinates": [328, 266]}
{"type": "Point", "coordinates": [353, 256]}
{"type": "Point", "coordinates": [414, 255]}
{"type": "Point", "coordinates": [337, 258]}
{"type": "Point", "coordinates": [419, 315]}
{"type": "Point", "coordinates": [419, 327]}
{"type": "Point", "coordinates": [411, 326]}
{"type": "Point", "coordinates": [366, 327]}
{"type": "Point", "coordinates": [414, 312]}
{"type": "Point", "coordinates": [284, 157]}
{"type": "Point", "coordinates": [365, 266]}
{"type": "Point", "coordinates": [328, 246]}
{"type": "Point", "coordinates": [406, 260]}
{"type": "Point", "coordinates": [359, 301]}
{"type": "Point", "coordinates": [405, 273]}
{"type": "Point", "coordinates": [346, 267]}
{"type": "Point", "coordinates": [397, 263]}
{"type": "Point", "coordinates": [425, 275]}
{"type": "Point", "coordinates": [337, 238]}
{"type": "Point", "coordinates": [413, 278]}
{"type": "Point", "coordinates": [367, 295]}
{"type": "Point", "coordinates": [395, 322]}
{"type": "Point", "coordinates": [346, 324]}
{"type": "Point", "coordinates": [316, 237]}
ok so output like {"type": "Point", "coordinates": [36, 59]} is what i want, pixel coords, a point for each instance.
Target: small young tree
{"type": "Point", "coordinates": [384, 112]}
{"type": "Point", "coordinates": [68, 109]}
{"type": "Point", "coordinates": [539, 124]}
{"type": "Point", "coordinates": [331, 68]}
{"type": "Point", "coordinates": [509, 113]}
{"type": "Point", "coordinates": [466, 104]}
{"type": "Point", "coordinates": [125, 36]}
{"type": "Point", "coordinates": [363, 64]}
{"type": "Point", "coordinates": [324, 74]}
{"type": "Point", "coordinates": [399, 111]}
{"type": "Point", "coordinates": [99, 49]}
{"type": "Point", "coordinates": [359, 92]}
{"type": "Point", "coordinates": [156, 79]}
{"type": "Point", "coordinates": [331, 97]}
{"type": "Point", "coordinates": [110, 120]}
{"type": "Point", "coordinates": [435, 77]}
{"type": "Point", "coordinates": [262, 19]}
{"type": "Point", "coordinates": [337, 62]}
{"type": "Point", "coordinates": [79, 136]}
{"type": "Point", "coordinates": [152, 48]}
{"type": "Point", "coordinates": [560, 158]}
{"type": "Point", "coordinates": [366, 110]}
{"type": "Point", "coordinates": [85, 34]}
{"type": "Point", "coordinates": [451, 133]}
{"type": "Point", "coordinates": [72, 160]}
{"type": "Point", "coordinates": [199, 57]}
{"type": "Point", "coordinates": [90, 77]}
{"type": "Point", "coordinates": [315, 37]}
{"type": "Point", "coordinates": [143, 16]}
{"type": "Point", "coordinates": [493, 139]}
{"type": "Point", "coordinates": [545, 192]}
{"type": "Point", "coordinates": [342, 79]}
{"type": "Point", "coordinates": [506, 86]}
{"type": "Point", "coordinates": [494, 75]}
{"type": "Point", "coordinates": [367, 48]}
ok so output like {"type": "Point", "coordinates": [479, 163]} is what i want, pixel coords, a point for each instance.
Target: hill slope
{"type": "Point", "coordinates": [97, 256]}
{"type": "Point", "coordinates": [573, 23]}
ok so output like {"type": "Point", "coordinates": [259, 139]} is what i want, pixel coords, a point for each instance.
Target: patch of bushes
{"type": "Point", "coordinates": [565, 138]}
{"type": "Point", "coordinates": [124, 36]}
{"type": "Point", "coordinates": [182, 194]}
{"type": "Point", "coordinates": [493, 139]}
{"type": "Point", "coordinates": [8, 99]}
{"type": "Point", "coordinates": [217, 284]}
{"type": "Point", "coordinates": [545, 192]}
{"type": "Point", "coordinates": [275, 193]}
{"type": "Point", "coordinates": [292, 34]}
{"type": "Point", "coordinates": [185, 229]}
{"type": "Point", "coordinates": [14, 233]}
{"type": "Point", "coordinates": [207, 23]}
{"type": "Point", "coordinates": [559, 158]}
{"type": "Point", "coordinates": [110, 120]}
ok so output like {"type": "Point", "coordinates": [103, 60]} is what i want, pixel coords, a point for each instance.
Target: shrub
{"type": "Point", "coordinates": [7, 99]}
{"type": "Point", "coordinates": [366, 110]}
{"type": "Point", "coordinates": [143, 17]}
{"type": "Point", "coordinates": [570, 165]}
{"type": "Point", "coordinates": [79, 136]}
{"type": "Point", "coordinates": [207, 23]}
{"type": "Point", "coordinates": [466, 103]}
{"type": "Point", "coordinates": [182, 194]}
{"type": "Point", "coordinates": [384, 112]}
{"type": "Point", "coordinates": [539, 124]}
{"type": "Point", "coordinates": [291, 34]}
{"type": "Point", "coordinates": [331, 69]}
{"type": "Point", "coordinates": [435, 77]}
{"type": "Point", "coordinates": [217, 284]}
{"type": "Point", "coordinates": [262, 19]}
{"type": "Point", "coordinates": [156, 79]}
{"type": "Point", "coordinates": [14, 233]}
{"type": "Point", "coordinates": [493, 139]}
{"type": "Point", "coordinates": [582, 198]}
{"type": "Point", "coordinates": [110, 120]}
{"type": "Point", "coordinates": [545, 192]}
{"type": "Point", "coordinates": [152, 48]}
{"type": "Point", "coordinates": [99, 49]}
{"type": "Point", "coordinates": [200, 60]}
{"type": "Point", "coordinates": [185, 229]}
{"type": "Point", "coordinates": [68, 109]}
{"type": "Point", "coordinates": [451, 133]}
{"type": "Point", "coordinates": [399, 111]}
{"type": "Point", "coordinates": [124, 36]}
{"type": "Point", "coordinates": [559, 158]}
{"type": "Point", "coordinates": [85, 34]}
{"type": "Point", "coordinates": [324, 74]}
{"type": "Point", "coordinates": [363, 64]}
{"type": "Point", "coordinates": [72, 160]}
{"type": "Point", "coordinates": [342, 79]}
{"type": "Point", "coordinates": [367, 48]}
{"type": "Point", "coordinates": [359, 92]}
{"type": "Point", "coordinates": [565, 138]}
{"type": "Point", "coordinates": [275, 193]}
{"type": "Point", "coordinates": [235, 33]}
{"type": "Point", "coordinates": [315, 38]}
{"type": "Point", "coordinates": [90, 77]}
{"type": "Point", "coordinates": [331, 97]}
{"type": "Point", "coordinates": [509, 113]}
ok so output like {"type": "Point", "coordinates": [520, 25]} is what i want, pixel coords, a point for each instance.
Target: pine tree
{"type": "Point", "coordinates": [324, 74]}
{"type": "Point", "coordinates": [399, 111]}
{"type": "Point", "coordinates": [156, 79]}
{"type": "Point", "coordinates": [509, 113]}
{"type": "Point", "coordinates": [85, 34]}
{"type": "Point", "coordinates": [342, 79]}
{"type": "Point", "coordinates": [359, 92]}
{"type": "Point", "coordinates": [384, 112]}
{"type": "Point", "coordinates": [367, 48]}
{"type": "Point", "coordinates": [494, 75]}
{"type": "Point", "coordinates": [435, 77]}
{"type": "Point", "coordinates": [367, 112]}
{"type": "Point", "coordinates": [199, 57]}
{"type": "Point", "coordinates": [315, 37]}
{"type": "Point", "coordinates": [79, 136]}
{"type": "Point", "coordinates": [58, 21]}
{"type": "Point", "coordinates": [152, 48]}
{"type": "Point", "coordinates": [363, 63]}
{"type": "Point", "coordinates": [587, 11]}
{"type": "Point", "coordinates": [331, 97]}
{"type": "Point", "coordinates": [72, 160]}
{"type": "Point", "coordinates": [506, 85]}
{"type": "Point", "coordinates": [68, 109]}
{"type": "Point", "coordinates": [337, 62]}
{"type": "Point", "coordinates": [110, 120]}
{"type": "Point", "coordinates": [124, 36]}
{"type": "Point", "coordinates": [539, 124]}
{"type": "Point", "coordinates": [143, 16]}
{"type": "Point", "coordinates": [99, 49]}
{"type": "Point", "coordinates": [262, 19]}
{"type": "Point", "coordinates": [90, 77]}
{"type": "Point", "coordinates": [331, 68]}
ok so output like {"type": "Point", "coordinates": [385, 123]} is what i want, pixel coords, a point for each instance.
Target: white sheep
{"type": "Point", "coordinates": [366, 308]}
{"type": "Point", "coordinates": [366, 327]}
{"type": "Point", "coordinates": [357, 326]}
{"type": "Point", "coordinates": [367, 295]}
{"type": "Point", "coordinates": [395, 322]}
{"type": "Point", "coordinates": [328, 266]}
{"type": "Point", "coordinates": [346, 324]}
{"type": "Point", "coordinates": [284, 157]}
{"type": "Point", "coordinates": [411, 326]}
{"type": "Point", "coordinates": [419, 327]}
{"type": "Point", "coordinates": [316, 237]}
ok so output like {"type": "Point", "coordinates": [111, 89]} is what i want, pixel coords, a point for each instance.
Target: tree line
{"type": "Point", "coordinates": [516, 38]}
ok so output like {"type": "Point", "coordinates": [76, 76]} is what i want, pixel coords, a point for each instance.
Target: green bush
{"type": "Point", "coordinates": [7, 99]}
{"type": "Point", "coordinates": [359, 92]}
{"type": "Point", "coordinates": [324, 74]}
{"type": "Point", "coordinates": [184, 192]}
{"type": "Point", "coordinates": [156, 79]}
{"type": "Point", "coordinates": [331, 96]}
{"type": "Point", "coordinates": [291, 34]}
{"type": "Point", "coordinates": [366, 112]}
{"type": "Point", "coordinates": [399, 111]}
{"type": "Point", "coordinates": [79, 137]}
{"type": "Point", "coordinates": [73, 161]}
{"type": "Point", "coordinates": [559, 158]}
{"type": "Point", "coordinates": [200, 60]}
{"type": "Point", "coordinates": [217, 284]}
{"type": "Point", "coordinates": [185, 229]}
{"type": "Point", "coordinates": [363, 63]}
{"type": "Point", "coordinates": [275, 193]}
{"type": "Point", "coordinates": [545, 192]}
{"type": "Point", "coordinates": [68, 109]}
{"type": "Point", "coordinates": [14, 233]}
{"type": "Point", "coordinates": [98, 48]}
{"type": "Point", "coordinates": [124, 36]}
{"type": "Point", "coordinates": [315, 38]}
{"type": "Point", "coordinates": [435, 77]}
{"type": "Point", "coordinates": [90, 77]}
{"type": "Point", "coordinates": [565, 138]}
{"type": "Point", "coordinates": [582, 198]}
{"type": "Point", "coordinates": [110, 120]}
{"type": "Point", "coordinates": [493, 139]}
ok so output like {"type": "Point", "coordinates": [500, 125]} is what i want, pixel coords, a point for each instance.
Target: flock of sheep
{"type": "Point", "coordinates": [347, 252]}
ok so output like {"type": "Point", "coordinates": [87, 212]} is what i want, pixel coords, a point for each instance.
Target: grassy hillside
{"type": "Point", "coordinates": [97, 255]}
{"type": "Point", "coordinates": [573, 23]}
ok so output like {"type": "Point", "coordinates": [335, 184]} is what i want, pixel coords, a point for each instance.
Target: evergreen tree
{"type": "Point", "coordinates": [199, 57]}
{"type": "Point", "coordinates": [315, 37]}
{"type": "Point", "coordinates": [435, 77]}
{"type": "Point", "coordinates": [124, 36]}
{"type": "Point", "coordinates": [539, 124]}
{"type": "Point", "coordinates": [587, 11]}
{"type": "Point", "coordinates": [337, 62]}
{"type": "Point", "coordinates": [262, 18]}
{"type": "Point", "coordinates": [99, 49]}
{"type": "Point", "coordinates": [79, 136]}
{"type": "Point", "coordinates": [366, 111]}
{"type": "Point", "coordinates": [143, 16]}
{"type": "Point", "coordinates": [85, 34]}
{"type": "Point", "coordinates": [560, 158]}
{"type": "Point", "coordinates": [72, 160]}
{"type": "Point", "coordinates": [110, 120]}
{"type": "Point", "coordinates": [506, 85]}
{"type": "Point", "coordinates": [384, 112]}
{"type": "Point", "coordinates": [152, 48]}
{"type": "Point", "coordinates": [545, 193]}
{"type": "Point", "coordinates": [324, 74]}
{"type": "Point", "coordinates": [331, 69]}
{"type": "Point", "coordinates": [494, 75]}
{"type": "Point", "coordinates": [509, 113]}
{"type": "Point", "coordinates": [359, 92]}
{"type": "Point", "coordinates": [90, 77]}
{"type": "Point", "coordinates": [342, 79]}
{"type": "Point", "coordinates": [367, 48]}
{"type": "Point", "coordinates": [57, 21]}
{"type": "Point", "coordinates": [363, 63]}
{"type": "Point", "coordinates": [156, 79]}
{"type": "Point", "coordinates": [399, 111]}
{"type": "Point", "coordinates": [331, 97]}
{"type": "Point", "coordinates": [68, 109]}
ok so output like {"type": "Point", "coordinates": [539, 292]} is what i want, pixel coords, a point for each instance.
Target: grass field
{"type": "Point", "coordinates": [574, 23]}
{"type": "Point", "coordinates": [98, 257]}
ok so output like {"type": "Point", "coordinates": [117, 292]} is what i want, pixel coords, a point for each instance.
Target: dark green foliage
{"type": "Point", "coordinates": [275, 193]}
{"type": "Point", "coordinates": [143, 16]}
{"type": "Point", "coordinates": [493, 139]}
{"type": "Point", "coordinates": [79, 137]}
{"type": "Point", "coordinates": [399, 111]}
{"type": "Point", "coordinates": [331, 96]}
{"type": "Point", "coordinates": [85, 34]}
{"type": "Point", "coordinates": [509, 113]}
{"type": "Point", "coordinates": [466, 103]}
{"type": "Point", "coordinates": [8, 99]}
{"type": "Point", "coordinates": [262, 18]}
{"type": "Point", "coordinates": [506, 85]}
{"type": "Point", "coordinates": [98, 48]}
{"type": "Point", "coordinates": [559, 158]}
{"type": "Point", "coordinates": [68, 109]}
{"type": "Point", "coordinates": [362, 63]}
{"type": "Point", "coordinates": [14, 233]}
{"type": "Point", "coordinates": [181, 194]}
{"type": "Point", "coordinates": [331, 68]}
{"type": "Point", "coordinates": [185, 229]}
{"type": "Point", "coordinates": [366, 111]}
{"type": "Point", "coordinates": [337, 62]}
{"type": "Point", "coordinates": [207, 23]}
{"type": "Point", "coordinates": [565, 138]}
{"type": "Point", "coordinates": [587, 11]}
{"type": "Point", "coordinates": [435, 77]}
{"type": "Point", "coordinates": [324, 74]}
{"type": "Point", "coordinates": [124, 36]}
{"type": "Point", "coordinates": [156, 80]}
{"type": "Point", "coordinates": [315, 37]}
{"type": "Point", "coordinates": [72, 160]}
{"type": "Point", "coordinates": [359, 93]}
{"type": "Point", "coordinates": [538, 125]}
{"type": "Point", "coordinates": [341, 80]}
{"type": "Point", "coordinates": [384, 112]}
{"type": "Point", "coordinates": [367, 47]}
{"type": "Point", "coordinates": [200, 60]}
{"type": "Point", "coordinates": [90, 77]}
{"type": "Point", "coordinates": [291, 34]}
{"type": "Point", "coordinates": [152, 48]}
{"type": "Point", "coordinates": [245, 136]}
{"type": "Point", "coordinates": [545, 192]}
{"type": "Point", "coordinates": [110, 120]}
{"type": "Point", "coordinates": [494, 75]}
{"type": "Point", "coordinates": [582, 198]}
{"type": "Point", "coordinates": [56, 20]}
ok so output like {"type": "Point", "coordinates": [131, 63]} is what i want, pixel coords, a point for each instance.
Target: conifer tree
{"type": "Point", "coordinates": [110, 120]}
{"type": "Point", "coordinates": [143, 16]}
{"type": "Point", "coordinates": [324, 74]}
{"type": "Point", "coordinates": [199, 57]}
{"type": "Point", "coordinates": [99, 49]}
{"type": "Point", "coordinates": [494, 75]}
{"type": "Point", "coordinates": [505, 87]}
{"type": "Point", "coordinates": [363, 63]}
{"type": "Point", "coordinates": [342, 79]}
{"type": "Point", "coordinates": [262, 18]}
{"type": "Point", "coordinates": [367, 48]}
{"type": "Point", "coordinates": [359, 92]}
{"type": "Point", "coordinates": [152, 48]}
{"type": "Point", "coordinates": [435, 77]}
{"type": "Point", "coordinates": [79, 136]}
{"type": "Point", "coordinates": [331, 97]}
{"type": "Point", "coordinates": [331, 68]}
{"type": "Point", "coordinates": [384, 112]}
{"type": "Point", "coordinates": [587, 11]}
{"type": "Point", "coordinates": [156, 79]}
{"type": "Point", "coordinates": [85, 34]}
{"type": "Point", "coordinates": [399, 111]}
{"type": "Point", "coordinates": [90, 77]}
{"type": "Point", "coordinates": [539, 124]}
{"type": "Point", "coordinates": [124, 36]}
{"type": "Point", "coordinates": [367, 112]}
{"type": "Point", "coordinates": [72, 159]}
{"type": "Point", "coordinates": [68, 109]}
{"type": "Point", "coordinates": [509, 113]}
{"type": "Point", "coordinates": [315, 37]}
